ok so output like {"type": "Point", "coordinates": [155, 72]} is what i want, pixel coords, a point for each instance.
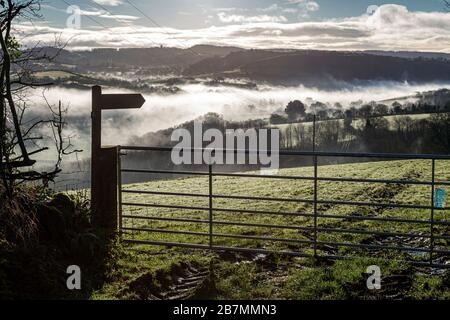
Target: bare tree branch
{"type": "Point", "coordinates": [16, 75]}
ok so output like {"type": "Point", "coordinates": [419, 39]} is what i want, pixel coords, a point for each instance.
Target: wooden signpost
{"type": "Point", "coordinates": [105, 160]}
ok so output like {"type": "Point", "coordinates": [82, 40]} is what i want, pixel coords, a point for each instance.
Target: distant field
{"type": "Point", "coordinates": [357, 122]}
{"type": "Point", "coordinates": [151, 272]}
{"type": "Point", "coordinates": [53, 74]}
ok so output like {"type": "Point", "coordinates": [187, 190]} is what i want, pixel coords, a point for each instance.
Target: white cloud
{"type": "Point", "coordinates": [311, 6]}
{"type": "Point", "coordinates": [109, 2]}
{"type": "Point", "coordinates": [230, 18]}
{"type": "Point", "coordinates": [273, 7]}
{"type": "Point", "coordinates": [93, 12]}
{"type": "Point", "coordinates": [391, 27]}
{"type": "Point", "coordinates": [228, 9]}
{"type": "Point", "coordinates": [290, 10]}
{"type": "Point", "coordinates": [305, 7]}
{"type": "Point", "coordinates": [106, 15]}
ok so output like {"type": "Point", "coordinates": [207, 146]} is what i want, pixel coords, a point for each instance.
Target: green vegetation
{"type": "Point", "coordinates": [251, 276]}
{"type": "Point", "coordinates": [50, 232]}
{"type": "Point", "coordinates": [41, 234]}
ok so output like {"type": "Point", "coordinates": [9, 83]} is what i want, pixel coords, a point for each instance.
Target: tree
{"type": "Point", "coordinates": [348, 128]}
{"type": "Point", "coordinates": [275, 118]}
{"type": "Point", "coordinates": [318, 106]}
{"type": "Point", "coordinates": [440, 131]}
{"type": "Point", "coordinates": [18, 135]}
{"type": "Point", "coordinates": [397, 108]}
{"type": "Point", "coordinates": [366, 111]}
{"type": "Point", "coordinates": [381, 110]}
{"type": "Point", "coordinates": [349, 113]}
{"type": "Point", "coordinates": [338, 106]}
{"type": "Point", "coordinates": [295, 110]}
{"type": "Point", "coordinates": [322, 114]}
{"type": "Point", "coordinates": [328, 134]}
{"type": "Point", "coordinates": [338, 114]}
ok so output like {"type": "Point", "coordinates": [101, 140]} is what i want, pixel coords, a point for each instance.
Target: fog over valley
{"type": "Point", "coordinates": [194, 100]}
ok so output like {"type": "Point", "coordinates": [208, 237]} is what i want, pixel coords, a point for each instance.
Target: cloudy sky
{"type": "Point", "coordinates": [422, 25]}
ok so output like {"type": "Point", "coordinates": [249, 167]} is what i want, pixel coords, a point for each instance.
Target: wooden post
{"type": "Point", "coordinates": [104, 169]}
{"type": "Point", "coordinates": [105, 189]}
{"type": "Point", "coordinates": [105, 160]}
{"type": "Point", "coordinates": [96, 116]}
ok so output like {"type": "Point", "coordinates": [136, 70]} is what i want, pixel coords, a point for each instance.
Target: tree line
{"type": "Point", "coordinates": [297, 111]}
{"type": "Point", "coordinates": [400, 134]}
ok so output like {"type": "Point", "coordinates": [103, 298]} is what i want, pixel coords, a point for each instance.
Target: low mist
{"type": "Point", "coordinates": [164, 111]}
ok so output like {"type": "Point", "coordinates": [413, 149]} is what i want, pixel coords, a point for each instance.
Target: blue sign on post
{"type": "Point", "coordinates": [440, 197]}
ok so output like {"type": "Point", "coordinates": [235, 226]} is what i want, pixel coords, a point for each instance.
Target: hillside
{"type": "Point", "coordinates": [321, 67]}
{"type": "Point", "coordinates": [411, 54]}
{"type": "Point", "coordinates": [291, 67]}
{"type": "Point", "coordinates": [131, 58]}
{"type": "Point", "coordinates": [249, 276]}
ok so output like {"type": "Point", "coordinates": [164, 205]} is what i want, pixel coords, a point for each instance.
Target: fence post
{"type": "Point", "coordinates": [119, 187]}
{"type": "Point", "coordinates": [210, 205]}
{"type": "Point", "coordinates": [314, 134]}
{"type": "Point", "coordinates": [315, 206]}
{"type": "Point", "coordinates": [433, 182]}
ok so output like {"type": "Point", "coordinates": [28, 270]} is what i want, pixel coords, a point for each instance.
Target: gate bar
{"type": "Point", "coordinates": [210, 206]}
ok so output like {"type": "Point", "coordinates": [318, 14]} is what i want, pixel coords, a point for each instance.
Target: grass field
{"type": "Point", "coordinates": [148, 271]}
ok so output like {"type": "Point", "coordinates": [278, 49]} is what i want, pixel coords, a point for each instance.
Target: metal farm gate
{"type": "Point", "coordinates": [145, 217]}
{"type": "Point", "coordinates": [210, 219]}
